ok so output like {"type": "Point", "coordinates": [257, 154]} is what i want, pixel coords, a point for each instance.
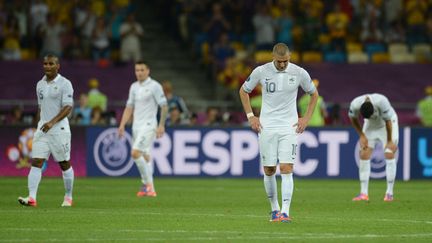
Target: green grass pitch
{"type": "Point", "coordinates": [214, 209]}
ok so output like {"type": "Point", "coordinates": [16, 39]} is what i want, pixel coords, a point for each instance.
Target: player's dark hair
{"type": "Point", "coordinates": [140, 62]}
{"type": "Point", "coordinates": [367, 109]}
{"type": "Point", "coordinates": [52, 56]}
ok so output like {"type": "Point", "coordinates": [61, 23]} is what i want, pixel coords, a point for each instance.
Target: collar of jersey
{"type": "Point", "coordinates": [54, 80]}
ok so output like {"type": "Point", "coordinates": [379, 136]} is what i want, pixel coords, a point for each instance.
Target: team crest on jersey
{"type": "Point", "coordinates": [291, 80]}
{"type": "Point", "coordinates": [111, 153]}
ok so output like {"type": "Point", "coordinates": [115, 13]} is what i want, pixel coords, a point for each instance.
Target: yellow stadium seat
{"type": "Point", "coordinates": [354, 47]}
{"type": "Point", "coordinates": [402, 58]}
{"type": "Point", "coordinates": [422, 52]}
{"type": "Point", "coordinates": [263, 56]}
{"type": "Point", "coordinates": [358, 57]}
{"type": "Point", "coordinates": [396, 48]}
{"type": "Point", "coordinates": [295, 57]}
{"type": "Point", "coordinates": [380, 57]}
{"type": "Point", "coordinates": [312, 57]}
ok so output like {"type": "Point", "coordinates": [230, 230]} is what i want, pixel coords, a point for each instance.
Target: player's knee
{"type": "Point", "coordinates": [389, 155]}
{"type": "Point", "coordinates": [146, 157]}
{"type": "Point", "coordinates": [38, 163]}
{"type": "Point", "coordinates": [64, 165]}
{"type": "Point", "coordinates": [365, 154]}
{"type": "Point", "coordinates": [135, 154]}
{"type": "Point", "coordinates": [269, 171]}
{"type": "Point", "coordinates": [286, 168]}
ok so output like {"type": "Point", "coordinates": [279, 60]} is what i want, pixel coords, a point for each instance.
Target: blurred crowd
{"type": "Point", "coordinates": [102, 30]}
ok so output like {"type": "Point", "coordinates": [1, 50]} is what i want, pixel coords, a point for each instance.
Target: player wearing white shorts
{"type": "Point", "coordinates": [53, 136]}
{"type": "Point", "coordinates": [380, 124]}
{"type": "Point", "coordinates": [278, 124]}
{"type": "Point", "coordinates": [145, 96]}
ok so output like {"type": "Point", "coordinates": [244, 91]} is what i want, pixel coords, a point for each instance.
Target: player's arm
{"type": "Point", "coordinates": [127, 113]}
{"type": "Point", "coordinates": [161, 127]}
{"type": "Point", "coordinates": [64, 112]}
{"type": "Point", "coordinates": [253, 120]}
{"type": "Point", "coordinates": [356, 124]}
{"type": "Point", "coordinates": [303, 121]}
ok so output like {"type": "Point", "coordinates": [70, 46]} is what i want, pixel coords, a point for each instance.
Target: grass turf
{"type": "Point", "coordinates": [212, 209]}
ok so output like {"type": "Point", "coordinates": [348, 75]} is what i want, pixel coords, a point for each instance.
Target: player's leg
{"type": "Point", "coordinates": [287, 157]}
{"type": "Point", "coordinates": [268, 148]}
{"type": "Point", "coordinates": [40, 153]}
{"type": "Point", "coordinates": [389, 155]}
{"type": "Point", "coordinates": [61, 145]}
{"type": "Point", "coordinates": [141, 156]}
{"type": "Point", "coordinates": [365, 167]}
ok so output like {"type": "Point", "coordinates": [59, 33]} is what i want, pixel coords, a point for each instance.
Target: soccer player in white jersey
{"type": "Point", "coordinates": [53, 136]}
{"type": "Point", "coordinates": [380, 125]}
{"type": "Point", "coordinates": [145, 96]}
{"type": "Point", "coordinates": [278, 125]}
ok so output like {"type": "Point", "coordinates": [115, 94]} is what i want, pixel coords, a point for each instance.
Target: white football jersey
{"type": "Point", "coordinates": [145, 97]}
{"type": "Point", "coordinates": [383, 111]}
{"type": "Point", "coordinates": [52, 97]}
{"type": "Point", "coordinates": [279, 93]}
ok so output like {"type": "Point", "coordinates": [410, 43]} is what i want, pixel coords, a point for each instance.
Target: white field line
{"type": "Point", "coordinates": [269, 237]}
{"type": "Point", "coordinates": [102, 212]}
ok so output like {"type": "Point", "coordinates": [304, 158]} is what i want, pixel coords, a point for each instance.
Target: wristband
{"type": "Point", "coordinates": [249, 115]}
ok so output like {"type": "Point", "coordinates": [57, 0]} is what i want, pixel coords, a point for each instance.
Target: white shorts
{"type": "Point", "coordinates": [277, 145]}
{"type": "Point", "coordinates": [143, 140]}
{"type": "Point", "coordinates": [59, 145]}
{"type": "Point", "coordinates": [374, 135]}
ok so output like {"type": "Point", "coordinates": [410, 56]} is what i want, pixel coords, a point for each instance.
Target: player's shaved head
{"type": "Point", "coordinates": [280, 49]}
{"type": "Point", "coordinates": [53, 57]}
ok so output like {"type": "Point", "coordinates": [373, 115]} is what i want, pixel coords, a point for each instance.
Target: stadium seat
{"type": "Point", "coordinates": [380, 57]}
{"type": "Point", "coordinates": [263, 56]}
{"type": "Point", "coordinates": [295, 57]}
{"type": "Point", "coordinates": [373, 48]}
{"type": "Point", "coordinates": [357, 57]}
{"type": "Point", "coordinates": [402, 58]}
{"type": "Point", "coordinates": [312, 57]}
{"type": "Point", "coordinates": [396, 48]}
{"type": "Point", "coordinates": [422, 52]}
{"type": "Point", "coordinates": [354, 47]}
{"type": "Point", "coordinates": [335, 57]}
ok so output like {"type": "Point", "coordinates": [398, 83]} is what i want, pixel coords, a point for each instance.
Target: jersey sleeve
{"type": "Point", "coordinates": [131, 97]}
{"type": "Point", "coordinates": [385, 108]}
{"type": "Point", "coordinates": [252, 81]}
{"type": "Point", "coordinates": [67, 95]}
{"type": "Point", "coordinates": [39, 94]}
{"type": "Point", "coordinates": [306, 82]}
{"type": "Point", "coordinates": [159, 95]}
{"type": "Point", "coordinates": [354, 109]}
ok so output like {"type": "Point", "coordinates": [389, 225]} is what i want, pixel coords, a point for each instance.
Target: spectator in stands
{"type": "Point", "coordinates": [85, 21]}
{"type": "Point", "coordinates": [101, 42]}
{"type": "Point", "coordinates": [38, 15]}
{"type": "Point", "coordinates": [217, 24]}
{"type": "Point", "coordinates": [11, 45]}
{"type": "Point", "coordinates": [82, 113]}
{"type": "Point", "coordinates": [222, 50]}
{"type": "Point", "coordinates": [319, 114]}
{"type": "Point", "coordinates": [95, 97]}
{"type": "Point", "coordinates": [424, 108]}
{"type": "Point", "coordinates": [284, 26]}
{"type": "Point", "coordinates": [174, 116]}
{"type": "Point", "coordinates": [131, 34]}
{"type": "Point", "coordinates": [212, 117]}
{"type": "Point", "coordinates": [337, 24]}
{"type": "Point", "coordinates": [52, 36]}
{"type": "Point", "coordinates": [264, 28]}
{"type": "Point", "coordinates": [416, 14]}
{"type": "Point", "coordinates": [97, 117]}
{"type": "Point", "coordinates": [16, 116]}
{"type": "Point", "coordinates": [193, 121]}
{"type": "Point", "coordinates": [175, 101]}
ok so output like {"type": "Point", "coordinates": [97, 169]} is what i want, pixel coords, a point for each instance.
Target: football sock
{"type": "Point", "coordinates": [34, 177]}
{"type": "Point", "coordinates": [390, 174]}
{"type": "Point", "coordinates": [287, 191]}
{"type": "Point", "coordinates": [364, 174]}
{"type": "Point", "coordinates": [149, 172]}
{"type": "Point", "coordinates": [271, 190]}
{"type": "Point", "coordinates": [68, 179]}
{"type": "Point", "coordinates": [141, 164]}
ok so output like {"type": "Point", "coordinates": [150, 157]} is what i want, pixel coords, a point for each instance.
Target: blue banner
{"type": "Point", "coordinates": [421, 153]}
{"type": "Point", "coordinates": [232, 152]}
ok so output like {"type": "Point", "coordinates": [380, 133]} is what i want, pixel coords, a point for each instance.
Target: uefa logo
{"type": "Point", "coordinates": [378, 162]}
{"type": "Point", "coordinates": [111, 153]}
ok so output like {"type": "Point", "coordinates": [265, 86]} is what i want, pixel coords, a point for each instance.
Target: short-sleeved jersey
{"type": "Point", "coordinates": [279, 93]}
{"type": "Point", "coordinates": [145, 97]}
{"type": "Point", "coordinates": [52, 97]}
{"type": "Point", "coordinates": [383, 111]}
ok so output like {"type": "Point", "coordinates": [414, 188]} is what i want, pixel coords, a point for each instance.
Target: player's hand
{"type": "Point", "coordinates": [392, 146]}
{"type": "Point", "coordinates": [121, 131]}
{"type": "Point", "coordinates": [47, 126]}
{"type": "Point", "coordinates": [301, 125]}
{"type": "Point", "coordinates": [255, 124]}
{"type": "Point", "coordinates": [160, 130]}
{"type": "Point", "coordinates": [363, 142]}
